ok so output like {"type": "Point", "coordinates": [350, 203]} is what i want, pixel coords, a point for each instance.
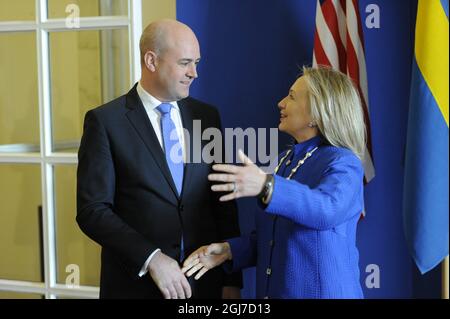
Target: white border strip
{"type": "Point", "coordinates": [134, 35]}
{"type": "Point", "coordinates": [39, 288]}
{"type": "Point", "coordinates": [17, 26]}
{"type": "Point", "coordinates": [20, 158]}
{"type": "Point", "coordinates": [89, 23]}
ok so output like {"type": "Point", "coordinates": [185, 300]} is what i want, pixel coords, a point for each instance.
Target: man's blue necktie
{"type": "Point", "coordinates": [172, 146]}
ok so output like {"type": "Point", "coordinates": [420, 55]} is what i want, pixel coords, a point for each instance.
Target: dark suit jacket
{"type": "Point", "coordinates": [127, 201]}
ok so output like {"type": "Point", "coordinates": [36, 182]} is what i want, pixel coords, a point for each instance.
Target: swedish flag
{"type": "Point", "coordinates": [426, 207]}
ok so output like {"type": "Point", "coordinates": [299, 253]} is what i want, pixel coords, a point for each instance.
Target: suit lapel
{"type": "Point", "coordinates": [140, 121]}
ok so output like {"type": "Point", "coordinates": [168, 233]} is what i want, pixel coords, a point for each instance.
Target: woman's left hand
{"type": "Point", "coordinates": [242, 181]}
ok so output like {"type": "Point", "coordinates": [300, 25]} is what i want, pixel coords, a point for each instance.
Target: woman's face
{"type": "Point", "coordinates": [294, 112]}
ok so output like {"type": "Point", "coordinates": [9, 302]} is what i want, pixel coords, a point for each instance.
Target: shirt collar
{"type": "Point", "coordinates": [150, 102]}
{"type": "Point", "coordinates": [307, 145]}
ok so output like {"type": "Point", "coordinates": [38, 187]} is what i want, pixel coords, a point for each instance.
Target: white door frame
{"type": "Point", "coordinates": [46, 157]}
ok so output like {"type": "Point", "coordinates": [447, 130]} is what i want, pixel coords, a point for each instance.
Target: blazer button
{"type": "Point", "coordinates": [271, 243]}
{"type": "Point", "coordinates": [268, 271]}
{"type": "Point", "coordinates": [181, 208]}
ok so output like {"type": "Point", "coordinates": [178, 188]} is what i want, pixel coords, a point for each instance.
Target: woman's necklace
{"type": "Point", "coordinates": [300, 162]}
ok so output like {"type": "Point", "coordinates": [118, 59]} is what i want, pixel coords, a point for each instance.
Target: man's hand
{"type": "Point", "coordinates": [206, 258]}
{"type": "Point", "coordinates": [167, 275]}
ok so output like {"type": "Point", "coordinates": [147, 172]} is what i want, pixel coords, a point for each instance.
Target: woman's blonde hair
{"type": "Point", "coordinates": [335, 107]}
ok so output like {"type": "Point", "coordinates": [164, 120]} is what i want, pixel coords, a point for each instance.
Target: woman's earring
{"type": "Point", "coordinates": [312, 124]}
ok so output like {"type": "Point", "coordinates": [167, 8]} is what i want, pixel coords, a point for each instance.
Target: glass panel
{"type": "Point", "coordinates": [20, 198]}
{"type": "Point", "coordinates": [19, 108]}
{"type": "Point", "coordinates": [87, 8]}
{"type": "Point", "coordinates": [88, 68]}
{"type": "Point", "coordinates": [17, 10]}
{"type": "Point", "coordinates": [19, 295]}
{"type": "Point", "coordinates": [76, 253]}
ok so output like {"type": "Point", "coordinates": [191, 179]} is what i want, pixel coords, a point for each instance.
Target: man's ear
{"type": "Point", "coordinates": [150, 61]}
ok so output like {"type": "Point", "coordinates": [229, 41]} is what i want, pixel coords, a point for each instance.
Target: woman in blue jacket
{"type": "Point", "coordinates": [304, 245]}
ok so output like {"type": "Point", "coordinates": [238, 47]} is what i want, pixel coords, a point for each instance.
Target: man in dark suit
{"type": "Point", "coordinates": [143, 206]}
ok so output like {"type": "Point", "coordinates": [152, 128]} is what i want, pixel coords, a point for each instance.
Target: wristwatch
{"type": "Point", "coordinates": [266, 192]}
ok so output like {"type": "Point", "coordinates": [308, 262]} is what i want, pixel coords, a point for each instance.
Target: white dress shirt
{"type": "Point", "coordinates": [150, 104]}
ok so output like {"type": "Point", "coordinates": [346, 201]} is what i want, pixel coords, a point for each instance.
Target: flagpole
{"type": "Point", "coordinates": [445, 271]}
{"type": "Point", "coordinates": [445, 278]}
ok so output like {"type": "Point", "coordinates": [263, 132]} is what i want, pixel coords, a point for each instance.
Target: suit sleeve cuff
{"type": "Point", "coordinates": [144, 268]}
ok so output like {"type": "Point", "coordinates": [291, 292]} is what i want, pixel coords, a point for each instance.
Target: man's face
{"type": "Point", "coordinates": [176, 68]}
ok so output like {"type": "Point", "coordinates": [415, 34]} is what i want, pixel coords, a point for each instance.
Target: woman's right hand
{"type": "Point", "coordinates": [206, 258]}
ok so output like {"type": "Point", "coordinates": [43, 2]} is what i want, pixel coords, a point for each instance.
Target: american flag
{"type": "Point", "coordinates": [339, 43]}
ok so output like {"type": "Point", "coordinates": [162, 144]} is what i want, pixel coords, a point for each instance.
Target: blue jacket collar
{"type": "Point", "coordinates": [308, 145]}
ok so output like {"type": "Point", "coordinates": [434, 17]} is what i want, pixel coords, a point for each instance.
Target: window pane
{"type": "Point", "coordinates": [17, 10]}
{"type": "Point", "coordinates": [19, 108]}
{"type": "Point", "coordinates": [88, 68]}
{"type": "Point", "coordinates": [18, 295]}
{"type": "Point", "coordinates": [87, 8]}
{"type": "Point", "coordinates": [76, 253]}
{"type": "Point", "coordinates": [20, 198]}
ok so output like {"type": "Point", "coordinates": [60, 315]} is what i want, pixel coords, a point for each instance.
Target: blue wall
{"type": "Point", "coordinates": [251, 51]}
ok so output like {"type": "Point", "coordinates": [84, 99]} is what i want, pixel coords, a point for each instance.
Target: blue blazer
{"type": "Point", "coordinates": [304, 245]}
